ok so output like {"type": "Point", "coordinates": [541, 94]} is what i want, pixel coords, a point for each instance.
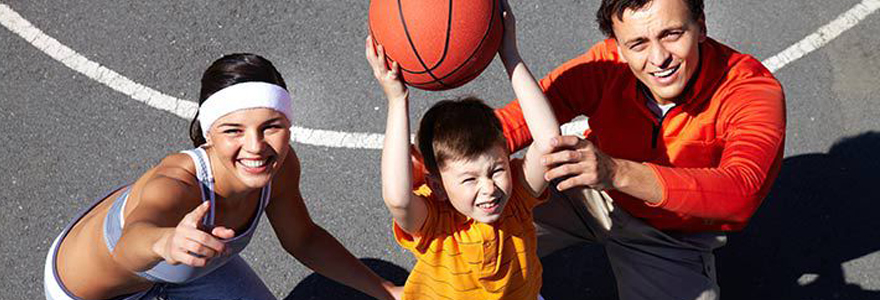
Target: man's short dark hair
{"type": "Point", "coordinates": [463, 128]}
{"type": "Point", "coordinates": [615, 8]}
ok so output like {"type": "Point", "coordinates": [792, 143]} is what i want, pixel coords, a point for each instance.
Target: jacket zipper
{"type": "Point", "coordinates": [655, 130]}
{"type": "Point", "coordinates": [655, 133]}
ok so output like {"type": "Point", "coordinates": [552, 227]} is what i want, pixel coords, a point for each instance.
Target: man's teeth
{"type": "Point", "coordinates": [665, 73]}
{"type": "Point", "coordinates": [253, 163]}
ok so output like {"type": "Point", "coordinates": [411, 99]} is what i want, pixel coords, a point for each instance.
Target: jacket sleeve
{"type": "Point", "coordinates": [573, 89]}
{"type": "Point", "coordinates": [750, 160]}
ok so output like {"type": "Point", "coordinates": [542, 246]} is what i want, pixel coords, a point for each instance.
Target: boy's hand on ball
{"type": "Point", "coordinates": [508, 49]}
{"type": "Point", "coordinates": [390, 80]}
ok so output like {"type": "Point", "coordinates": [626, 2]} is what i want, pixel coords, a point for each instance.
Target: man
{"type": "Point", "coordinates": [686, 137]}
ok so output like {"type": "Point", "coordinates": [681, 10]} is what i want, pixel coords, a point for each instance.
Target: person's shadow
{"type": "Point", "coordinates": [823, 211]}
{"type": "Point", "coordinates": [317, 287]}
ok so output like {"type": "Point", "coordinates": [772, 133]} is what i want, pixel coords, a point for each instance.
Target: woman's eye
{"type": "Point", "coordinates": [468, 180]}
{"type": "Point", "coordinates": [231, 131]}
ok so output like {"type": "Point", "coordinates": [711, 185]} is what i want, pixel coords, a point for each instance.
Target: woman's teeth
{"type": "Point", "coordinates": [253, 163]}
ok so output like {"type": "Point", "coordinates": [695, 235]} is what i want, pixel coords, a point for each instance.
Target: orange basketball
{"type": "Point", "coordinates": [438, 44]}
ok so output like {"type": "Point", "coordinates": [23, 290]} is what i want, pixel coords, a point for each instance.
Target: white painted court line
{"type": "Point", "coordinates": [357, 140]}
{"type": "Point", "coordinates": [822, 36]}
{"type": "Point", "coordinates": [156, 99]}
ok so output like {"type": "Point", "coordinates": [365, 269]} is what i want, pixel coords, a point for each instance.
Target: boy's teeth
{"type": "Point", "coordinates": [486, 204]}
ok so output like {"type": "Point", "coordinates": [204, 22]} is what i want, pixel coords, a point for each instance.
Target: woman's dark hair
{"type": "Point", "coordinates": [229, 70]}
{"type": "Point", "coordinates": [614, 9]}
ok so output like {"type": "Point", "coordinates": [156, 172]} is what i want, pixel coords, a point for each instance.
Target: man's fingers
{"type": "Point", "coordinates": [564, 171]}
{"type": "Point", "coordinates": [193, 218]}
{"type": "Point", "coordinates": [554, 159]}
{"type": "Point", "coordinates": [566, 142]}
{"type": "Point", "coordinates": [578, 181]}
{"type": "Point", "coordinates": [584, 180]}
{"type": "Point", "coordinates": [568, 183]}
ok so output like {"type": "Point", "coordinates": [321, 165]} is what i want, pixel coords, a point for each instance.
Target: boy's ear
{"type": "Point", "coordinates": [436, 185]}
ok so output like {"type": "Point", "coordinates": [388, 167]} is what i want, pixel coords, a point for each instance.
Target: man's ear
{"type": "Point", "coordinates": [436, 185]}
{"type": "Point", "coordinates": [701, 22]}
{"type": "Point", "coordinates": [620, 53]}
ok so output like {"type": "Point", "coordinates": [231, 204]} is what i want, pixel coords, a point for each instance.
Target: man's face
{"type": "Point", "coordinates": [660, 42]}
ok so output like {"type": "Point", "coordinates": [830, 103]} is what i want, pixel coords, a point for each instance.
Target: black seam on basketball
{"type": "Point", "coordinates": [483, 67]}
{"type": "Point", "coordinates": [445, 45]}
{"type": "Point", "coordinates": [409, 38]}
{"type": "Point", "coordinates": [448, 34]}
{"type": "Point", "coordinates": [480, 45]}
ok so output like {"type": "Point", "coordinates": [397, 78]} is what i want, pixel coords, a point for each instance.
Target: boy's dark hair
{"type": "Point", "coordinates": [614, 9]}
{"type": "Point", "coordinates": [462, 128]}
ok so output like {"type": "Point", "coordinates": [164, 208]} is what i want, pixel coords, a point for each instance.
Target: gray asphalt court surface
{"type": "Point", "coordinates": [68, 138]}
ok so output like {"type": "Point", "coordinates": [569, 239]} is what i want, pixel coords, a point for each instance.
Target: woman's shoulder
{"type": "Point", "coordinates": [165, 193]}
{"type": "Point", "coordinates": [178, 166]}
{"type": "Point", "coordinates": [174, 176]}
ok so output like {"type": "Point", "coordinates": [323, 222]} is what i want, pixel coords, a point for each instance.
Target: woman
{"type": "Point", "coordinates": [177, 230]}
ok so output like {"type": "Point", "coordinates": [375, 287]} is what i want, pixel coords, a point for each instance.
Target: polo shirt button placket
{"type": "Point", "coordinates": [489, 259]}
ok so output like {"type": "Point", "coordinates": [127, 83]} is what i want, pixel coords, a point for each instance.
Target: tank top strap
{"type": "Point", "coordinates": [265, 194]}
{"type": "Point", "coordinates": [206, 181]}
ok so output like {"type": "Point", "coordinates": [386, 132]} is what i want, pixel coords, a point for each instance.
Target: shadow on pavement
{"type": "Point", "coordinates": [317, 287]}
{"type": "Point", "coordinates": [578, 272]}
{"type": "Point", "coordinates": [822, 212]}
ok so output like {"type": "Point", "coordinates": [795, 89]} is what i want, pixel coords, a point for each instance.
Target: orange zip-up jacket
{"type": "Point", "coordinates": [715, 154]}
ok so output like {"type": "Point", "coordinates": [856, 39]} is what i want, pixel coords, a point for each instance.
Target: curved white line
{"type": "Point", "coordinates": [328, 138]}
{"type": "Point", "coordinates": [825, 34]}
{"type": "Point", "coordinates": [149, 96]}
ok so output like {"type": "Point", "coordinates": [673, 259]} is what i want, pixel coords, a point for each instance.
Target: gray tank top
{"type": "Point", "coordinates": [164, 272]}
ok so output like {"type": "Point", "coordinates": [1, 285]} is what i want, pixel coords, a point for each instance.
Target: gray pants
{"type": "Point", "coordinates": [647, 263]}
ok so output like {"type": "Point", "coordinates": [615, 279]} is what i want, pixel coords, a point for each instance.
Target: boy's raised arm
{"type": "Point", "coordinates": [535, 106]}
{"type": "Point", "coordinates": [408, 210]}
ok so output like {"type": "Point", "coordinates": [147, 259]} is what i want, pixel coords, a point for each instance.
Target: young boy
{"type": "Point", "coordinates": [471, 227]}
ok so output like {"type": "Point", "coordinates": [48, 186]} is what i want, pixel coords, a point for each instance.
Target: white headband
{"type": "Point", "coordinates": [245, 95]}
